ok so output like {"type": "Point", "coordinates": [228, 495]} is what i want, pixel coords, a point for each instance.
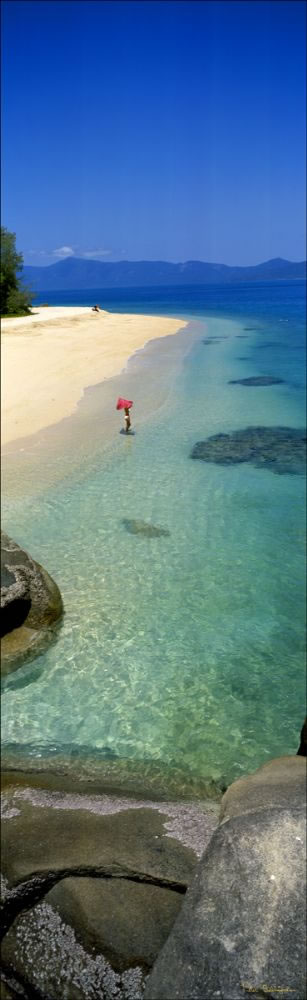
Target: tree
{"type": "Point", "coordinates": [15, 299]}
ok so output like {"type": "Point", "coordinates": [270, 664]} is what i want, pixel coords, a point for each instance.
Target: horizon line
{"type": "Point", "coordinates": [182, 263]}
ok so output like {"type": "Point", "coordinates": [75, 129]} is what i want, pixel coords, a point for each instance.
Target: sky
{"type": "Point", "coordinates": [154, 129]}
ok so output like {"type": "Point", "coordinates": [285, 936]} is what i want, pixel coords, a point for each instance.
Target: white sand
{"type": "Point", "coordinates": [48, 359]}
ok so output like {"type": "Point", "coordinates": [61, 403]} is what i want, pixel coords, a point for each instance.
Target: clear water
{"type": "Point", "coordinates": [183, 650]}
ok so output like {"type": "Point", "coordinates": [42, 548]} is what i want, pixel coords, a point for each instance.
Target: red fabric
{"type": "Point", "coordinates": [123, 403]}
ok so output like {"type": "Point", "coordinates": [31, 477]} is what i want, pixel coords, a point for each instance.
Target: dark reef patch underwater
{"type": "Point", "coordinates": [281, 449]}
{"type": "Point", "coordinates": [257, 380]}
{"type": "Point", "coordinates": [137, 527]}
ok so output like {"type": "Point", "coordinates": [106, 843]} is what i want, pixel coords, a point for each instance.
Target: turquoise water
{"type": "Point", "coordinates": [187, 649]}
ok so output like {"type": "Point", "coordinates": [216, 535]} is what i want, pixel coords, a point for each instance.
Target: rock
{"type": "Point", "coordinates": [49, 963]}
{"type": "Point", "coordinates": [126, 922]}
{"type": "Point", "coordinates": [31, 605]}
{"type": "Point", "coordinates": [102, 771]}
{"type": "Point", "coordinates": [257, 380]}
{"type": "Point", "coordinates": [268, 788]}
{"type": "Point", "coordinates": [7, 993]}
{"type": "Point", "coordinates": [241, 929]}
{"type": "Point", "coordinates": [112, 928]}
{"type": "Point", "coordinates": [45, 830]}
{"type": "Point", "coordinates": [280, 449]}
{"type": "Point", "coordinates": [101, 879]}
{"type": "Point", "coordinates": [302, 750]}
{"type": "Point", "coordinates": [136, 527]}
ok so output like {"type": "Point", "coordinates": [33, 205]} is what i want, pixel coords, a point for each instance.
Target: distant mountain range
{"type": "Point", "coordinates": [77, 273]}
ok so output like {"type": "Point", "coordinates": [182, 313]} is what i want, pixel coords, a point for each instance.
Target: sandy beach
{"type": "Point", "coordinates": [50, 357]}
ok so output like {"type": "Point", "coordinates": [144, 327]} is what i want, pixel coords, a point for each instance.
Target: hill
{"type": "Point", "coordinates": [74, 273]}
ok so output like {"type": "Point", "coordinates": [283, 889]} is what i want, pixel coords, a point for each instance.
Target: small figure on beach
{"type": "Point", "coordinates": [125, 404]}
{"type": "Point", "coordinates": [95, 309]}
{"type": "Point", "coordinates": [127, 419]}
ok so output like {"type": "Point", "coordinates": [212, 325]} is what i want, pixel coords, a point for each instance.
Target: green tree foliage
{"type": "Point", "coordinates": [15, 299]}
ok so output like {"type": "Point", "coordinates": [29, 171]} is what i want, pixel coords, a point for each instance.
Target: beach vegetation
{"type": "Point", "coordinates": [15, 297]}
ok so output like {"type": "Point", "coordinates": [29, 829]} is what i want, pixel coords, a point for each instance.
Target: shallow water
{"type": "Point", "coordinates": [184, 650]}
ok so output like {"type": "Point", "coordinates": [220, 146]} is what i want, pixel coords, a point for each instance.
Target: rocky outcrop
{"type": "Point", "coordinates": [302, 750]}
{"type": "Point", "coordinates": [31, 605]}
{"type": "Point", "coordinates": [280, 449]}
{"type": "Point", "coordinates": [92, 886]}
{"type": "Point", "coordinates": [94, 891]}
{"type": "Point", "coordinates": [241, 929]}
{"type": "Point", "coordinates": [137, 527]}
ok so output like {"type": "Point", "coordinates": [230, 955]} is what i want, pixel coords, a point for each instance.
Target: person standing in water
{"type": "Point", "coordinates": [125, 404]}
{"type": "Point", "coordinates": [127, 419]}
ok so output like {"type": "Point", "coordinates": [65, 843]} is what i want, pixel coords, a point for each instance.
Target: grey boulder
{"type": "Point", "coordinates": [31, 605]}
{"type": "Point", "coordinates": [241, 929]}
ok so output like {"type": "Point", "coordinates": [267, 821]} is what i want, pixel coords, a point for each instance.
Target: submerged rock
{"type": "Point", "coordinates": [31, 605]}
{"type": "Point", "coordinates": [214, 340]}
{"type": "Point", "coordinates": [257, 380]}
{"type": "Point", "coordinates": [281, 449]}
{"type": "Point", "coordinates": [136, 527]}
{"type": "Point", "coordinates": [241, 928]}
{"type": "Point", "coordinates": [268, 343]}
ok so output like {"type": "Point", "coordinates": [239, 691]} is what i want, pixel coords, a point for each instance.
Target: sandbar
{"type": "Point", "coordinates": [50, 357]}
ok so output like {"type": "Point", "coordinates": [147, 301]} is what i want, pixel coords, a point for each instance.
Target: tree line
{"type": "Point", "coordinates": [15, 298]}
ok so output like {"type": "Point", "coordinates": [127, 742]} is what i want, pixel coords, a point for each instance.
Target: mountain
{"type": "Point", "coordinates": [77, 273]}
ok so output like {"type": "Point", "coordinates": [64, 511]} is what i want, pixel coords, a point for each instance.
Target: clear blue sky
{"type": "Point", "coordinates": [154, 130]}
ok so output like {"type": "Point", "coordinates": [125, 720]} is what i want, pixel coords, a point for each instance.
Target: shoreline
{"type": "Point", "coordinates": [95, 411]}
{"type": "Point", "coordinates": [50, 358]}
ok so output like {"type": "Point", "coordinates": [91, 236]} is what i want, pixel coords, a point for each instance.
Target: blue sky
{"type": "Point", "coordinates": [154, 130]}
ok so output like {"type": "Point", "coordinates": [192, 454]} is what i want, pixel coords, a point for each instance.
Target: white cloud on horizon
{"type": "Point", "coordinates": [48, 256]}
{"type": "Point", "coordinates": [66, 251]}
{"type": "Point", "coordinates": [63, 252]}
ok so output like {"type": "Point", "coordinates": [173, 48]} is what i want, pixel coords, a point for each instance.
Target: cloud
{"type": "Point", "coordinates": [76, 251]}
{"type": "Point", "coordinates": [97, 252]}
{"type": "Point", "coordinates": [63, 252]}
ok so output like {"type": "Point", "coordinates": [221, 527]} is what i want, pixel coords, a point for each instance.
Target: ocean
{"type": "Point", "coordinates": [180, 652]}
